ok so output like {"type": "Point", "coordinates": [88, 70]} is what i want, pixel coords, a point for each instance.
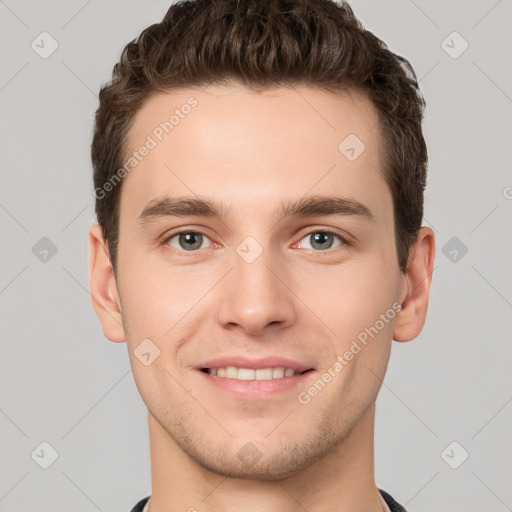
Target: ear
{"type": "Point", "coordinates": [103, 288]}
{"type": "Point", "coordinates": [417, 280]}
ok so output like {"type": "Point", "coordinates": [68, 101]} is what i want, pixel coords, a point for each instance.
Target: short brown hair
{"type": "Point", "coordinates": [261, 44]}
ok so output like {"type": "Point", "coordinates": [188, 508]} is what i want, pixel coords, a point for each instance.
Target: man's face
{"type": "Point", "coordinates": [252, 288]}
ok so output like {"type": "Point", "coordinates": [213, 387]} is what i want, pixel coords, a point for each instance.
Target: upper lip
{"type": "Point", "coordinates": [255, 364]}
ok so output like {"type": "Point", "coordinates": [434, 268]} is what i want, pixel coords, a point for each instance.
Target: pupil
{"type": "Point", "coordinates": [320, 238]}
{"type": "Point", "coordinates": [185, 238]}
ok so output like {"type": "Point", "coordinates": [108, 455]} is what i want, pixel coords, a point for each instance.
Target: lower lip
{"type": "Point", "coordinates": [257, 389]}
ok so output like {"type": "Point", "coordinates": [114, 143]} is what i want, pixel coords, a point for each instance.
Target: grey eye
{"type": "Point", "coordinates": [321, 240]}
{"type": "Point", "coordinates": [187, 240]}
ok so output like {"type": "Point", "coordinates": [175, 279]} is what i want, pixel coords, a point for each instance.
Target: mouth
{"type": "Point", "coordinates": [265, 378]}
{"type": "Point", "coordinates": [248, 374]}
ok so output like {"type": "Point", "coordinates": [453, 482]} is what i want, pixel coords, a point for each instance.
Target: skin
{"type": "Point", "coordinates": [252, 151]}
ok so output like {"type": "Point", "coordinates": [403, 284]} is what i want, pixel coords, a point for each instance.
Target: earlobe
{"type": "Point", "coordinates": [411, 319]}
{"type": "Point", "coordinates": [103, 288]}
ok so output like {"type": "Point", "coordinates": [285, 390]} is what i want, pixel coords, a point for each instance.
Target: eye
{"type": "Point", "coordinates": [319, 240]}
{"type": "Point", "coordinates": [186, 240]}
{"type": "Point", "coordinates": [323, 239]}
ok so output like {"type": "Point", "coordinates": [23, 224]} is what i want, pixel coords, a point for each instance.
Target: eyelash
{"type": "Point", "coordinates": [344, 241]}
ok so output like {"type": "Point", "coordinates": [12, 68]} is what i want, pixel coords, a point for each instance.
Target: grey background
{"type": "Point", "coordinates": [62, 382]}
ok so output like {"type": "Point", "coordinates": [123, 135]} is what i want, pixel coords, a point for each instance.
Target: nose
{"type": "Point", "coordinates": [256, 295]}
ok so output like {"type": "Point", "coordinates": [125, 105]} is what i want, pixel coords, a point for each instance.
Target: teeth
{"type": "Point", "coordinates": [261, 373]}
{"type": "Point", "coordinates": [277, 373]}
{"type": "Point", "coordinates": [233, 372]}
{"type": "Point", "coordinates": [243, 374]}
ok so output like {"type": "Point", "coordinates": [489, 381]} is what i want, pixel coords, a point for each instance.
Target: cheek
{"type": "Point", "coordinates": [155, 297]}
{"type": "Point", "coordinates": [349, 299]}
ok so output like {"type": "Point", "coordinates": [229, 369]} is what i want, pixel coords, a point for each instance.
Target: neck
{"type": "Point", "coordinates": [341, 481]}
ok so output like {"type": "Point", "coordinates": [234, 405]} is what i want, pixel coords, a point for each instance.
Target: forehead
{"type": "Point", "coordinates": [252, 147]}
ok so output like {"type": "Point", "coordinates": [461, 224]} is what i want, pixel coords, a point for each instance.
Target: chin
{"type": "Point", "coordinates": [245, 460]}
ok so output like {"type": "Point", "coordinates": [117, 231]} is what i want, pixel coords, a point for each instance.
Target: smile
{"type": "Point", "coordinates": [270, 373]}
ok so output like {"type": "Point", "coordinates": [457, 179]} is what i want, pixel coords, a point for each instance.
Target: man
{"type": "Point", "coordinates": [255, 132]}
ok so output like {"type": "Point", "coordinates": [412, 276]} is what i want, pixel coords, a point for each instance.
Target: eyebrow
{"type": "Point", "coordinates": [304, 207]}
